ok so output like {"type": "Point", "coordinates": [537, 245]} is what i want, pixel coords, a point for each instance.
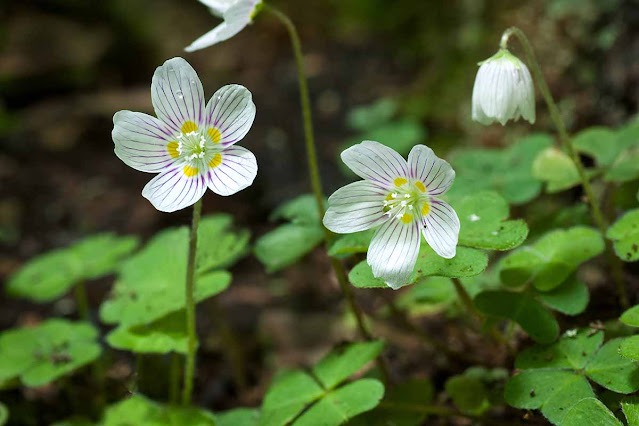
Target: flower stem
{"type": "Point", "coordinates": [555, 115]}
{"type": "Point", "coordinates": [316, 183]}
{"type": "Point", "coordinates": [189, 368]}
{"type": "Point", "coordinates": [81, 301]}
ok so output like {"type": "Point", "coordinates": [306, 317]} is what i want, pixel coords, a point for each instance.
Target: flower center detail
{"type": "Point", "coordinates": [406, 201]}
{"type": "Point", "coordinates": [196, 149]}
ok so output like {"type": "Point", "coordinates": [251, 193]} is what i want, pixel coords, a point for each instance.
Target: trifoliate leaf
{"type": "Point", "coordinates": [140, 411]}
{"type": "Point", "coordinates": [507, 171]}
{"type": "Point", "coordinates": [151, 283]}
{"type": "Point", "coordinates": [468, 394]}
{"type": "Point", "coordinates": [571, 351]}
{"type": "Point", "coordinates": [49, 276]}
{"type": "Point", "coordinates": [367, 117]}
{"type": "Point", "coordinates": [299, 211]}
{"type": "Point", "coordinates": [287, 244]}
{"type": "Point", "coordinates": [390, 411]}
{"type": "Point", "coordinates": [612, 371]}
{"type": "Point", "coordinates": [570, 298]}
{"type": "Point", "coordinates": [342, 362]}
{"type": "Point", "coordinates": [339, 405]}
{"type": "Point", "coordinates": [625, 235]}
{"type": "Point", "coordinates": [630, 408]}
{"type": "Point", "coordinates": [290, 392]}
{"type": "Point", "coordinates": [590, 411]}
{"type": "Point", "coordinates": [483, 222]}
{"type": "Point", "coordinates": [239, 417]}
{"type": "Point", "coordinates": [167, 334]}
{"type": "Point", "coordinates": [41, 354]}
{"type": "Point", "coordinates": [557, 169]}
{"type": "Point", "coordinates": [467, 263]}
{"type": "Point", "coordinates": [631, 316]}
{"type": "Point", "coordinates": [552, 259]}
{"type": "Point", "coordinates": [599, 142]}
{"type": "Point", "coordinates": [347, 244]}
{"type": "Point", "coordinates": [551, 391]}
{"type": "Point", "coordinates": [524, 310]}
{"type": "Point", "coordinates": [219, 245]}
{"type": "Point", "coordinates": [630, 348]}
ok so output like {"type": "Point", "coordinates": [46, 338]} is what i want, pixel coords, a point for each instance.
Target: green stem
{"type": "Point", "coordinates": [555, 115]}
{"type": "Point", "coordinates": [189, 368]}
{"type": "Point", "coordinates": [174, 389]}
{"type": "Point", "coordinates": [314, 174]}
{"type": "Point", "coordinates": [82, 301]}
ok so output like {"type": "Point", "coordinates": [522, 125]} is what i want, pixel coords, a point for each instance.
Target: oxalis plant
{"type": "Point", "coordinates": [430, 228]}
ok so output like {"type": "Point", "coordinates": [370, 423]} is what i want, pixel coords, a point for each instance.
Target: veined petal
{"type": "Point", "coordinates": [177, 95]}
{"type": "Point", "coordinates": [230, 114]}
{"type": "Point", "coordinates": [175, 189]}
{"type": "Point", "coordinates": [393, 252]}
{"type": "Point", "coordinates": [233, 171]}
{"type": "Point", "coordinates": [375, 162]}
{"type": "Point", "coordinates": [141, 141]}
{"type": "Point", "coordinates": [356, 207]}
{"type": "Point", "coordinates": [441, 228]}
{"type": "Point", "coordinates": [435, 174]}
{"type": "Point", "coordinates": [236, 18]}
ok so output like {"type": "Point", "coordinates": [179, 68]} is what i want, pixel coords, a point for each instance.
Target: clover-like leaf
{"type": "Point", "coordinates": [164, 335]}
{"type": "Point", "coordinates": [599, 142]}
{"type": "Point", "coordinates": [571, 351]}
{"type": "Point", "coordinates": [239, 417]}
{"type": "Point", "coordinates": [524, 310]}
{"type": "Point", "coordinates": [612, 371]}
{"type": "Point", "coordinates": [625, 235]}
{"type": "Point", "coordinates": [341, 363]}
{"type": "Point", "coordinates": [570, 298]}
{"type": "Point", "coordinates": [348, 244]}
{"type": "Point", "coordinates": [151, 283]}
{"type": "Point", "coordinates": [590, 411]}
{"type": "Point", "coordinates": [299, 211]}
{"type": "Point", "coordinates": [557, 169]}
{"type": "Point", "coordinates": [341, 404]}
{"type": "Point", "coordinates": [631, 316]}
{"type": "Point", "coordinates": [630, 348]}
{"type": "Point", "coordinates": [469, 394]}
{"type": "Point", "coordinates": [51, 275]}
{"type": "Point", "coordinates": [41, 354]}
{"type": "Point", "coordinates": [507, 171]}
{"type": "Point", "coordinates": [140, 411]}
{"type": "Point", "coordinates": [630, 408]}
{"type": "Point", "coordinates": [467, 263]}
{"type": "Point", "coordinates": [552, 259]}
{"type": "Point", "coordinates": [483, 222]}
{"type": "Point", "coordinates": [626, 165]}
{"type": "Point", "coordinates": [290, 392]}
{"type": "Point", "coordinates": [219, 244]}
{"type": "Point", "coordinates": [552, 391]}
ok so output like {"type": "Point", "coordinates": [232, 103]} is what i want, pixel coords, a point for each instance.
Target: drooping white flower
{"type": "Point", "coordinates": [237, 14]}
{"type": "Point", "coordinates": [401, 199]}
{"type": "Point", "coordinates": [503, 90]}
{"type": "Point", "coordinates": [190, 144]}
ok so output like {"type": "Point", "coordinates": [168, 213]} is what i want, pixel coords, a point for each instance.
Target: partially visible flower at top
{"type": "Point", "coordinates": [237, 14]}
{"type": "Point", "coordinates": [503, 90]}
{"type": "Point", "coordinates": [401, 198]}
{"type": "Point", "coordinates": [191, 145]}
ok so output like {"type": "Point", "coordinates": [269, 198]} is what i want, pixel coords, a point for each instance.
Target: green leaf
{"type": "Point", "coordinates": [556, 169]}
{"type": "Point", "coordinates": [630, 348]}
{"type": "Point", "coordinates": [507, 171]}
{"type": "Point", "coordinates": [167, 334]}
{"type": "Point", "coordinates": [630, 408]}
{"type": "Point", "coordinates": [41, 354]}
{"type": "Point", "coordinates": [287, 244]}
{"type": "Point", "coordinates": [483, 222]}
{"type": "Point", "coordinates": [219, 245]}
{"type": "Point", "coordinates": [151, 283]}
{"type": "Point", "coordinates": [552, 259]}
{"type": "Point", "coordinates": [347, 244]}
{"type": "Point", "coordinates": [395, 407]}
{"type": "Point", "coordinates": [51, 275]}
{"type": "Point", "coordinates": [140, 411]}
{"type": "Point", "coordinates": [552, 391]}
{"type": "Point", "coordinates": [525, 311]}
{"type": "Point", "coordinates": [625, 168]}
{"type": "Point", "coordinates": [4, 414]}
{"type": "Point", "coordinates": [468, 393]}
{"type": "Point", "coordinates": [366, 117]}
{"type": "Point", "coordinates": [612, 371]}
{"type": "Point", "coordinates": [339, 405]}
{"type": "Point", "coordinates": [599, 142]}
{"type": "Point", "coordinates": [289, 393]}
{"type": "Point", "coordinates": [631, 316]}
{"type": "Point", "coordinates": [570, 298]}
{"type": "Point", "coordinates": [239, 417]}
{"type": "Point", "coordinates": [342, 362]}
{"type": "Point", "coordinates": [467, 263]}
{"type": "Point", "coordinates": [75, 421]}
{"type": "Point", "coordinates": [299, 211]}
{"type": "Point", "coordinates": [569, 352]}
{"type": "Point", "coordinates": [625, 235]}
{"type": "Point", "coordinates": [590, 411]}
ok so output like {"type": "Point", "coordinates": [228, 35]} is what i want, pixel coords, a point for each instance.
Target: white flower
{"type": "Point", "coordinates": [237, 14]}
{"type": "Point", "coordinates": [503, 90]}
{"type": "Point", "coordinates": [401, 198]}
{"type": "Point", "coordinates": [191, 145]}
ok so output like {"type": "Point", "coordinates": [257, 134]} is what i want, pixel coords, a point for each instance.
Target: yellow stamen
{"type": "Point", "coordinates": [216, 160]}
{"type": "Point", "coordinates": [214, 134]}
{"type": "Point", "coordinates": [407, 218]}
{"type": "Point", "coordinates": [400, 181]}
{"type": "Point", "coordinates": [190, 171]}
{"type": "Point", "coordinates": [425, 209]}
{"type": "Point", "coordinates": [172, 148]}
{"type": "Point", "coordinates": [420, 186]}
{"type": "Point", "coordinates": [188, 127]}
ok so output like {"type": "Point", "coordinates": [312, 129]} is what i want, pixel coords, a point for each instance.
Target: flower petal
{"type": "Point", "coordinates": [177, 95]}
{"type": "Point", "coordinates": [441, 228]}
{"type": "Point", "coordinates": [436, 174]}
{"type": "Point", "coordinates": [175, 189]}
{"type": "Point", "coordinates": [236, 18]}
{"type": "Point", "coordinates": [375, 162]}
{"type": "Point", "coordinates": [236, 170]}
{"type": "Point", "coordinates": [393, 252]}
{"type": "Point", "coordinates": [218, 7]}
{"type": "Point", "coordinates": [356, 207]}
{"type": "Point", "coordinates": [141, 141]}
{"type": "Point", "coordinates": [230, 112]}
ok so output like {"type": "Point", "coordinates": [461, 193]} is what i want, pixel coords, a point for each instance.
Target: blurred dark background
{"type": "Point", "coordinates": [68, 65]}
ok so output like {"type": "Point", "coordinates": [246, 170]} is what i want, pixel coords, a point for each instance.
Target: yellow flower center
{"type": "Point", "coordinates": [407, 201]}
